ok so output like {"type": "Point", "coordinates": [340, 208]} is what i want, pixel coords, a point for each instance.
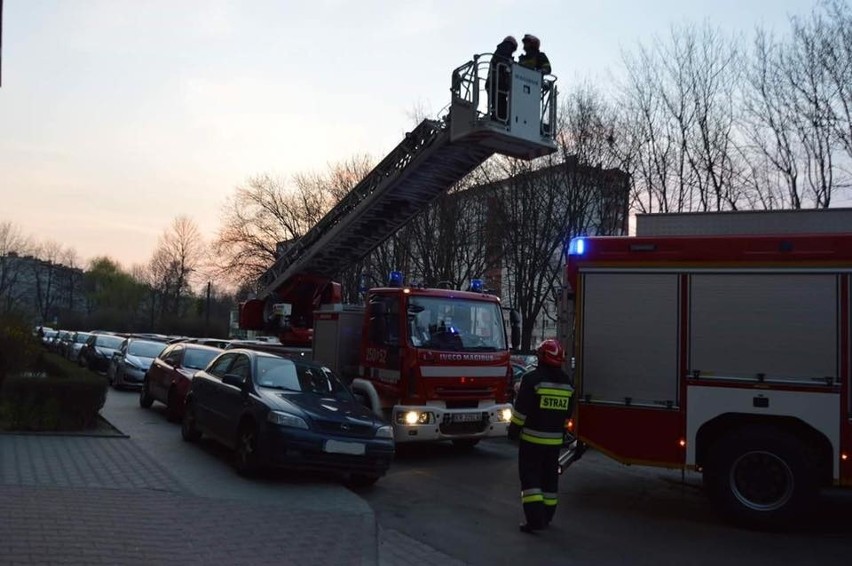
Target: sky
{"type": "Point", "coordinates": [116, 116]}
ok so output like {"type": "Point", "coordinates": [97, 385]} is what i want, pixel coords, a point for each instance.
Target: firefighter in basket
{"type": "Point", "coordinates": [538, 420]}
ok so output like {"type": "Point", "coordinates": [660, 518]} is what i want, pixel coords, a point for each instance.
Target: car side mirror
{"type": "Point", "coordinates": [234, 380]}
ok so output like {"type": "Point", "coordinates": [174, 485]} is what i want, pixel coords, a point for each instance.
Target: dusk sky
{"type": "Point", "coordinates": [118, 115]}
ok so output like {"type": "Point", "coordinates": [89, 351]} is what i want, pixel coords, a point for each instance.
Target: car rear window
{"type": "Point", "coordinates": [196, 358]}
{"type": "Point", "coordinates": [105, 341]}
{"type": "Point", "coordinates": [145, 349]}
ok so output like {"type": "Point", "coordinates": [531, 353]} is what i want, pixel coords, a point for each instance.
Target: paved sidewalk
{"type": "Point", "coordinates": [73, 500]}
{"type": "Point", "coordinates": [153, 499]}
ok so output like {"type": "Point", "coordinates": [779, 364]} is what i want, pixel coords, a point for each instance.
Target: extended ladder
{"type": "Point", "coordinates": [430, 160]}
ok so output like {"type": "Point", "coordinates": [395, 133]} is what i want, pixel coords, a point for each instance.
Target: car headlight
{"type": "Point", "coordinates": [384, 432]}
{"type": "Point", "coordinates": [286, 419]}
{"type": "Point", "coordinates": [504, 415]}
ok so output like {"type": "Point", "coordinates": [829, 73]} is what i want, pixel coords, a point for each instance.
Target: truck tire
{"type": "Point", "coordinates": [761, 476]}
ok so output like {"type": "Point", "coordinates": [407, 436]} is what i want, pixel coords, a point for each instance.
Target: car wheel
{"type": "Point", "coordinates": [172, 406]}
{"type": "Point", "coordinates": [145, 399]}
{"type": "Point", "coordinates": [362, 480]}
{"type": "Point", "coordinates": [247, 457]}
{"type": "Point", "coordinates": [761, 477]}
{"type": "Point", "coordinates": [465, 443]}
{"type": "Point", "coordinates": [187, 428]}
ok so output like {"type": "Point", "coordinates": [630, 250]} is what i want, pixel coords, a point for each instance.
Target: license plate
{"type": "Point", "coordinates": [337, 447]}
{"type": "Point", "coordinates": [467, 417]}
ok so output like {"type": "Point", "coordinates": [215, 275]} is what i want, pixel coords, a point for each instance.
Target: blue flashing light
{"type": "Point", "coordinates": [577, 246]}
{"type": "Point", "coordinates": [395, 279]}
{"type": "Point", "coordinates": [476, 285]}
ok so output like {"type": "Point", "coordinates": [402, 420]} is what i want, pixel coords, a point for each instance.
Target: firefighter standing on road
{"type": "Point", "coordinates": [538, 420]}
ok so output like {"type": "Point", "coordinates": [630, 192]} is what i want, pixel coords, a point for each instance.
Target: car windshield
{"type": "Point", "coordinates": [458, 325]}
{"type": "Point", "coordinates": [290, 375]}
{"type": "Point", "coordinates": [112, 342]}
{"type": "Point", "coordinates": [145, 349]}
{"type": "Point", "coordinates": [196, 358]}
{"type": "Point", "coordinates": [81, 338]}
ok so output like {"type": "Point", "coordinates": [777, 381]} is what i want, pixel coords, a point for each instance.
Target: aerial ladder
{"type": "Point", "coordinates": [427, 163]}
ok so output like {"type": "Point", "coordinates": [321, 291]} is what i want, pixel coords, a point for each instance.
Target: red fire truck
{"type": "Point", "coordinates": [435, 362]}
{"type": "Point", "coordinates": [720, 343]}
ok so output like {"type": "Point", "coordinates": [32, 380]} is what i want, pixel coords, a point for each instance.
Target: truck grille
{"type": "Point", "coordinates": [450, 427]}
{"type": "Point", "coordinates": [460, 392]}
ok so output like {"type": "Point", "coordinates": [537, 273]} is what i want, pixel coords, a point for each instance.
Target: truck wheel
{"type": "Point", "coordinates": [465, 443]}
{"type": "Point", "coordinates": [761, 477]}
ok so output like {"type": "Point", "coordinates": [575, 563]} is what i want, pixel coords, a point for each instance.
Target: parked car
{"type": "Point", "coordinates": [98, 351]}
{"type": "Point", "coordinates": [220, 343]}
{"type": "Point", "coordinates": [48, 336]}
{"type": "Point", "coordinates": [526, 360]}
{"type": "Point", "coordinates": [59, 343]}
{"type": "Point", "coordinates": [74, 345]}
{"type": "Point", "coordinates": [135, 355]}
{"type": "Point", "coordinates": [276, 348]}
{"type": "Point", "coordinates": [53, 340]}
{"type": "Point", "coordinates": [170, 375]}
{"type": "Point", "coordinates": [518, 371]}
{"type": "Point", "coordinates": [287, 412]}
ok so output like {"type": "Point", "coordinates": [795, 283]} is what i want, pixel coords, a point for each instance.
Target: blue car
{"type": "Point", "coordinates": [276, 411]}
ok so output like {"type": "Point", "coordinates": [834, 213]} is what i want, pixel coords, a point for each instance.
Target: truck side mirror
{"type": "Point", "coordinates": [515, 329]}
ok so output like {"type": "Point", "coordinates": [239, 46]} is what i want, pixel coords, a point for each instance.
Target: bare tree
{"type": "Point", "coordinates": [837, 57]}
{"type": "Point", "coordinates": [767, 119]}
{"type": "Point", "coordinates": [180, 251]}
{"type": "Point", "coordinates": [13, 244]}
{"type": "Point", "coordinates": [803, 62]}
{"type": "Point", "coordinates": [449, 240]}
{"type": "Point", "coordinates": [268, 210]}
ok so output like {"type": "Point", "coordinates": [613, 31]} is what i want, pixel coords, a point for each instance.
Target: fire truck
{"type": "Point", "coordinates": [434, 362]}
{"type": "Point", "coordinates": [719, 343]}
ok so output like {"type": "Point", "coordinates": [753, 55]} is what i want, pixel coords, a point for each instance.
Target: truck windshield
{"type": "Point", "coordinates": [457, 325]}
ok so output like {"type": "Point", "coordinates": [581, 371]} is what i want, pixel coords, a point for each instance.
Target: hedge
{"type": "Point", "coordinates": [56, 396]}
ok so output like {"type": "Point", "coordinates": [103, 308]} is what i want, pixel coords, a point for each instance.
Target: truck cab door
{"type": "Point", "coordinates": [383, 340]}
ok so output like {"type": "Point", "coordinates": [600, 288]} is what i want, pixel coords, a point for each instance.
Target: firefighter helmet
{"type": "Point", "coordinates": [550, 353]}
{"type": "Point", "coordinates": [512, 40]}
{"type": "Point", "coordinates": [534, 42]}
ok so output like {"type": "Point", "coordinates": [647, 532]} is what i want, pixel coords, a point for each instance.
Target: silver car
{"type": "Point", "coordinates": [129, 365]}
{"type": "Point", "coordinates": [72, 350]}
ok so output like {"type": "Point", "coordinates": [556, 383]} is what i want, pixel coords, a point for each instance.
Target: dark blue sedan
{"type": "Point", "coordinates": [286, 412]}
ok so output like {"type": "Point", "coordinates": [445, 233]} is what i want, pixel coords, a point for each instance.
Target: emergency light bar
{"type": "Point", "coordinates": [395, 279]}
{"type": "Point", "coordinates": [577, 246]}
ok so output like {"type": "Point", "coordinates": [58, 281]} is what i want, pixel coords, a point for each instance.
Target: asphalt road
{"type": "Point", "coordinates": [467, 504]}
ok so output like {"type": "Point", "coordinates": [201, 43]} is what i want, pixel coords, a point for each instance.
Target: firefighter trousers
{"type": "Point", "coordinates": [539, 470]}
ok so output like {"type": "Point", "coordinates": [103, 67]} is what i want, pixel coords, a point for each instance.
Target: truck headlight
{"type": "Point", "coordinates": [384, 432]}
{"type": "Point", "coordinates": [412, 418]}
{"type": "Point", "coordinates": [504, 415]}
{"type": "Point", "coordinates": [286, 419]}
